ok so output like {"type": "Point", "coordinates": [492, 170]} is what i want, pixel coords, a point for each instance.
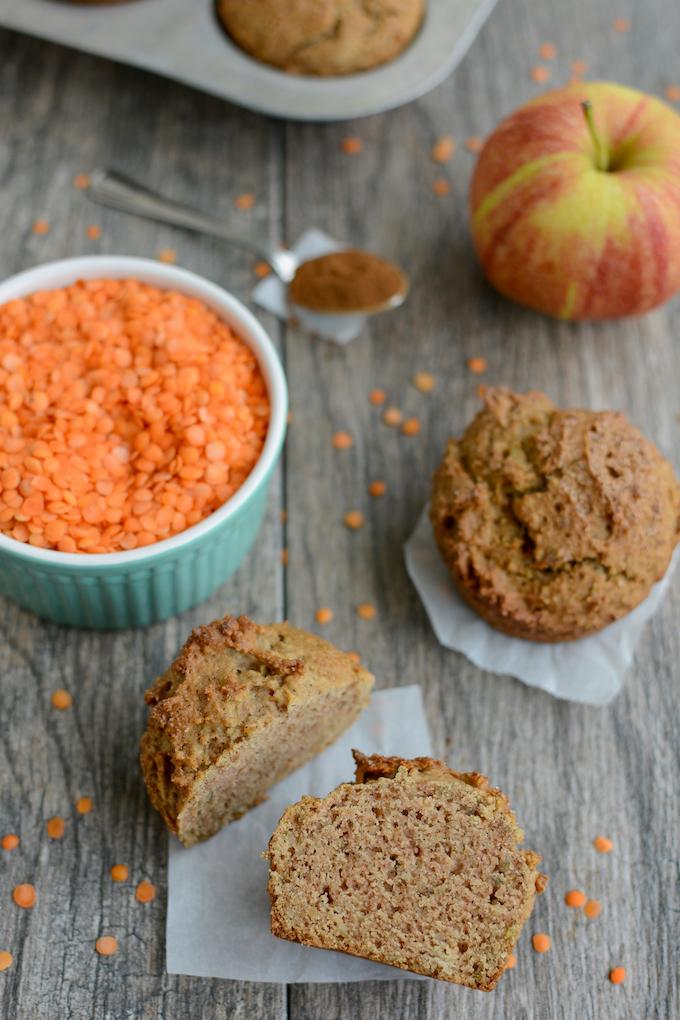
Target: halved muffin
{"type": "Point", "coordinates": [413, 865]}
{"type": "Point", "coordinates": [241, 707]}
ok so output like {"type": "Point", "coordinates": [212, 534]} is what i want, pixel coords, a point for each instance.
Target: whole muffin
{"type": "Point", "coordinates": [315, 37]}
{"type": "Point", "coordinates": [553, 523]}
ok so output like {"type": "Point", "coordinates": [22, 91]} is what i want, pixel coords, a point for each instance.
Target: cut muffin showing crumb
{"type": "Point", "coordinates": [412, 865]}
{"type": "Point", "coordinates": [241, 707]}
{"type": "Point", "coordinates": [553, 523]}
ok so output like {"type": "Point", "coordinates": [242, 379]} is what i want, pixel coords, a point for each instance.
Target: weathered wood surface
{"type": "Point", "coordinates": [571, 771]}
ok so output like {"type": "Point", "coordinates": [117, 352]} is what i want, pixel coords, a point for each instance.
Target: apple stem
{"type": "Point", "coordinates": [601, 155]}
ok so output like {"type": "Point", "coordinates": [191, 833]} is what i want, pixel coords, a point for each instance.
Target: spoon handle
{"type": "Point", "coordinates": [118, 192]}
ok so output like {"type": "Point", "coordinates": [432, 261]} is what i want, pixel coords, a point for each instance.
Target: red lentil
{"type": "Point", "coordinates": [443, 149]}
{"type": "Point", "coordinates": [127, 414]}
{"type": "Point", "coordinates": [24, 895]}
{"type": "Point", "coordinates": [120, 872]}
{"type": "Point", "coordinates": [145, 892]}
{"type": "Point", "coordinates": [540, 73]}
{"type": "Point", "coordinates": [106, 945]}
{"type": "Point", "coordinates": [352, 145]}
{"type": "Point", "coordinates": [10, 842]}
{"type": "Point", "coordinates": [55, 827]}
{"type": "Point", "coordinates": [61, 699]}
{"type": "Point", "coordinates": [244, 201]}
{"type": "Point", "coordinates": [474, 144]}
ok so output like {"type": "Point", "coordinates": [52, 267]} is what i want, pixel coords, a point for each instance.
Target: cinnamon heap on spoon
{"type": "Point", "coordinates": [347, 281]}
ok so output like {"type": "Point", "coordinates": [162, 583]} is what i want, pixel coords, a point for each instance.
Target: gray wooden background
{"type": "Point", "coordinates": [571, 771]}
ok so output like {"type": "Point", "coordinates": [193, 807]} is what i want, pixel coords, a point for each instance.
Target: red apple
{"type": "Point", "coordinates": [575, 203]}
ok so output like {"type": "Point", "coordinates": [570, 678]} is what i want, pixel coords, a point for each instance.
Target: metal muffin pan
{"type": "Point", "coordinates": [182, 39]}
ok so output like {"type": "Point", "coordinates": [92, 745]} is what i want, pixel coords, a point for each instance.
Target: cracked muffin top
{"type": "Point", "coordinates": [322, 37]}
{"type": "Point", "coordinates": [553, 523]}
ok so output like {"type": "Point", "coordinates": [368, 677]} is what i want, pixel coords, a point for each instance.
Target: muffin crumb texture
{"type": "Point", "coordinates": [553, 523]}
{"type": "Point", "coordinates": [317, 38]}
{"type": "Point", "coordinates": [242, 706]}
{"type": "Point", "coordinates": [432, 856]}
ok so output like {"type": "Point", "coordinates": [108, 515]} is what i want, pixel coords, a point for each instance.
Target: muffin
{"type": "Point", "coordinates": [413, 865]}
{"type": "Point", "coordinates": [318, 38]}
{"type": "Point", "coordinates": [553, 523]}
{"type": "Point", "coordinates": [241, 707]}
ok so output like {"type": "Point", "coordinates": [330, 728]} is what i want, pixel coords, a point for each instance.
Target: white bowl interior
{"type": "Point", "coordinates": [116, 267]}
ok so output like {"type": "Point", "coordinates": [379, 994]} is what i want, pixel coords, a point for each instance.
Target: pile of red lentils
{"type": "Point", "coordinates": [127, 414]}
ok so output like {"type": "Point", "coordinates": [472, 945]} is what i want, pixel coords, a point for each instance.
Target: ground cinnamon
{"type": "Point", "coordinates": [346, 281]}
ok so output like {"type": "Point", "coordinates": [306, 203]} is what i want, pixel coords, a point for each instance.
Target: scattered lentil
{"type": "Point", "coordinates": [575, 898]}
{"type": "Point", "coordinates": [673, 93]}
{"type": "Point", "coordinates": [392, 417]}
{"type": "Point", "coordinates": [474, 143]}
{"type": "Point", "coordinates": [244, 201]}
{"type": "Point", "coordinates": [541, 942]}
{"type": "Point", "coordinates": [324, 615]}
{"type": "Point", "coordinates": [131, 413]}
{"type": "Point", "coordinates": [411, 427]}
{"type": "Point", "coordinates": [10, 842]}
{"type": "Point", "coordinates": [41, 227]}
{"type": "Point", "coordinates": [81, 181]}
{"type": "Point", "coordinates": [84, 805]}
{"type": "Point", "coordinates": [366, 611]}
{"type": "Point", "coordinates": [617, 975]}
{"type": "Point", "coordinates": [145, 892]}
{"type": "Point", "coordinates": [377, 397]}
{"type": "Point", "coordinates": [61, 699]}
{"type": "Point", "coordinates": [540, 74]}
{"type": "Point", "coordinates": [377, 489]}
{"type": "Point", "coordinates": [592, 909]}
{"type": "Point", "coordinates": [603, 845]}
{"type": "Point", "coordinates": [547, 51]}
{"type": "Point", "coordinates": [441, 187]}
{"type": "Point", "coordinates": [477, 365]}
{"type": "Point", "coordinates": [262, 269]}
{"type": "Point", "coordinates": [120, 872]}
{"type": "Point", "coordinates": [106, 945]}
{"type": "Point", "coordinates": [167, 255]}
{"type": "Point", "coordinates": [94, 232]}
{"type": "Point", "coordinates": [6, 960]}
{"type": "Point", "coordinates": [443, 149]}
{"type": "Point", "coordinates": [424, 381]}
{"type": "Point", "coordinates": [352, 145]}
{"type": "Point", "coordinates": [55, 827]}
{"type": "Point", "coordinates": [511, 962]}
{"type": "Point", "coordinates": [578, 67]}
{"type": "Point", "coordinates": [342, 440]}
{"type": "Point", "coordinates": [354, 519]}
{"type": "Point", "coordinates": [24, 895]}
{"type": "Point", "coordinates": [621, 25]}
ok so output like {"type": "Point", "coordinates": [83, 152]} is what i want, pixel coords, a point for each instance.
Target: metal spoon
{"type": "Point", "coordinates": [118, 192]}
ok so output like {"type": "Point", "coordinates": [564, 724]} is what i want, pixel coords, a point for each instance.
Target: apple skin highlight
{"type": "Point", "coordinates": [555, 233]}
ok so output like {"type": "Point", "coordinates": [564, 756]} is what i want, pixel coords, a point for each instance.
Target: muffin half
{"type": "Point", "coordinates": [413, 865]}
{"type": "Point", "coordinates": [241, 707]}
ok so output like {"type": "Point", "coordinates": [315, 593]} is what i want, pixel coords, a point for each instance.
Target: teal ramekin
{"type": "Point", "coordinates": [110, 591]}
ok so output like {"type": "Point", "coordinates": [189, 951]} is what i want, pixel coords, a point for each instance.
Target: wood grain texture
{"type": "Point", "coordinates": [571, 772]}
